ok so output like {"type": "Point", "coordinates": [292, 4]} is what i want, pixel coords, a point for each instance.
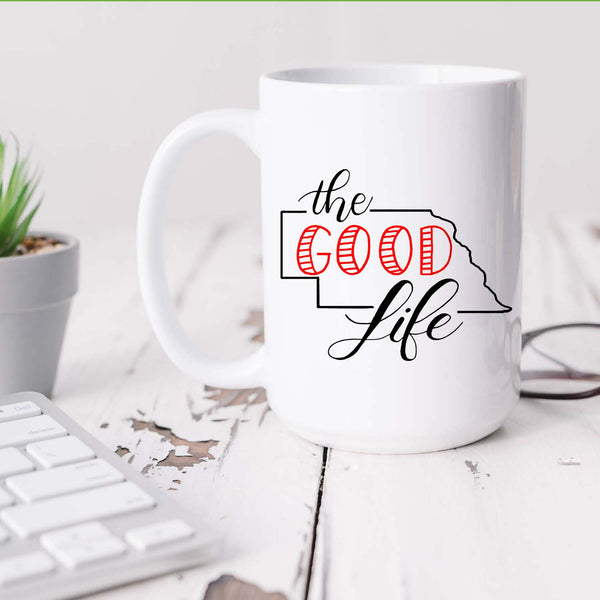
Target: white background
{"type": "Point", "coordinates": [93, 88]}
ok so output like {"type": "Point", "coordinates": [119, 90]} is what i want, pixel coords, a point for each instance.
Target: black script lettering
{"type": "Point", "coordinates": [339, 181]}
{"type": "Point", "coordinates": [427, 312]}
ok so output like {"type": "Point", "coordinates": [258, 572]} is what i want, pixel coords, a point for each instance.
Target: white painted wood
{"type": "Point", "coordinates": [512, 516]}
{"type": "Point", "coordinates": [254, 482]}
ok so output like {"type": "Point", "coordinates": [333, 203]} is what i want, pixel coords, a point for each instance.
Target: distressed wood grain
{"type": "Point", "coordinates": [219, 452]}
{"type": "Point", "coordinates": [512, 516]}
{"type": "Point", "coordinates": [227, 587]}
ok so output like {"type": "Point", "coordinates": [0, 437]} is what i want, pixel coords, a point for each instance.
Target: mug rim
{"type": "Point", "coordinates": [394, 75]}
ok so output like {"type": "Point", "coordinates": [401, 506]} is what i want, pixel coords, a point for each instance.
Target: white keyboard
{"type": "Point", "coordinates": [74, 518]}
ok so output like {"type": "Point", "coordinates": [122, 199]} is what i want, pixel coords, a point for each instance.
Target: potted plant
{"type": "Point", "coordinates": [38, 279]}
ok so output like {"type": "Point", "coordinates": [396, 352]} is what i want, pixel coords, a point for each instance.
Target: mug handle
{"type": "Point", "coordinates": [245, 372]}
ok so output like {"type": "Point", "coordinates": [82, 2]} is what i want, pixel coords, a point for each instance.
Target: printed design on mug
{"type": "Point", "coordinates": [400, 275]}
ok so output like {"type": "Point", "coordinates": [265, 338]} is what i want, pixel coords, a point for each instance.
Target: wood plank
{"type": "Point", "coordinates": [221, 453]}
{"type": "Point", "coordinates": [512, 516]}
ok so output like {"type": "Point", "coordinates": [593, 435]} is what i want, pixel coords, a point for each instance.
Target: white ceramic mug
{"type": "Point", "coordinates": [391, 213]}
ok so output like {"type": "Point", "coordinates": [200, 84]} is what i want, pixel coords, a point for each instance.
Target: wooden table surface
{"type": "Point", "coordinates": [502, 518]}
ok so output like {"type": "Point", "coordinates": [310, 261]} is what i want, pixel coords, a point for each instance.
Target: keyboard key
{"type": "Point", "coordinates": [18, 410]}
{"type": "Point", "coordinates": [5, 499]}
{"type": "Point", "coordinates": [24, 431]}
{"type": "Point", "coordinates": [63, 480]}
{"type": "Point", "coordinates": [77, 534]}
{"type": "Point", "coordinates": [83, 544]}
{"type": "Point", "coordinates": [90, 552]}
{"type": "Point", "coordinates": [60, 451]}
{"type": "Point", "coordinates": [4, 535]}
{"type": "Point", "coordinates": [25, 566]}
{"type": "Point", "coordinates": [13, 462]}
{"type": "Point", "coordinates": [121, 498]}
{"type": "Point", "coordinates": [157, 534]}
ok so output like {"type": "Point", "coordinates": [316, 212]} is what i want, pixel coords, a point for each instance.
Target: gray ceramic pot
{"type": "Point", "coordinates": [35, 298]}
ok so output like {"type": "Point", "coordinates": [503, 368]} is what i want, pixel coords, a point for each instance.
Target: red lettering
{"type": "Point", "coordinates": [346, 250]}
{"type": "Point", "coordinates": [304, 253]}
{"type": "Point", "coordinates": [354, 239]}
{"type": "Point", "coordinates": [387, 250]}
{"type": "Point", "coordinates": [427, 236]}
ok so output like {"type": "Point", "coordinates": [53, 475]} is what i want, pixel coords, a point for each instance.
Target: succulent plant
{"type": "Point", "coordinates": [17, 190]}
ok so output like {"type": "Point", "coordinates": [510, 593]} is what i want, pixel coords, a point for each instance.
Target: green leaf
{"type": "Point", "coordinates": [2, 147]}
{"type": "Point", "coordinates": [18, 234]}
{"type": "Point", "coordinates": [15, 195]}
{"type": "Point", "coordinates": [16, 210]}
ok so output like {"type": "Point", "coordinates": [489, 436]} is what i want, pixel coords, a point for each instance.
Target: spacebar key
{"type": "Point", "coordinates": [118, 499]}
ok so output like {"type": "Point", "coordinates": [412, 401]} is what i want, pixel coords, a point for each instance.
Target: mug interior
{"type": "Point", "coordinates": [397, 75]}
